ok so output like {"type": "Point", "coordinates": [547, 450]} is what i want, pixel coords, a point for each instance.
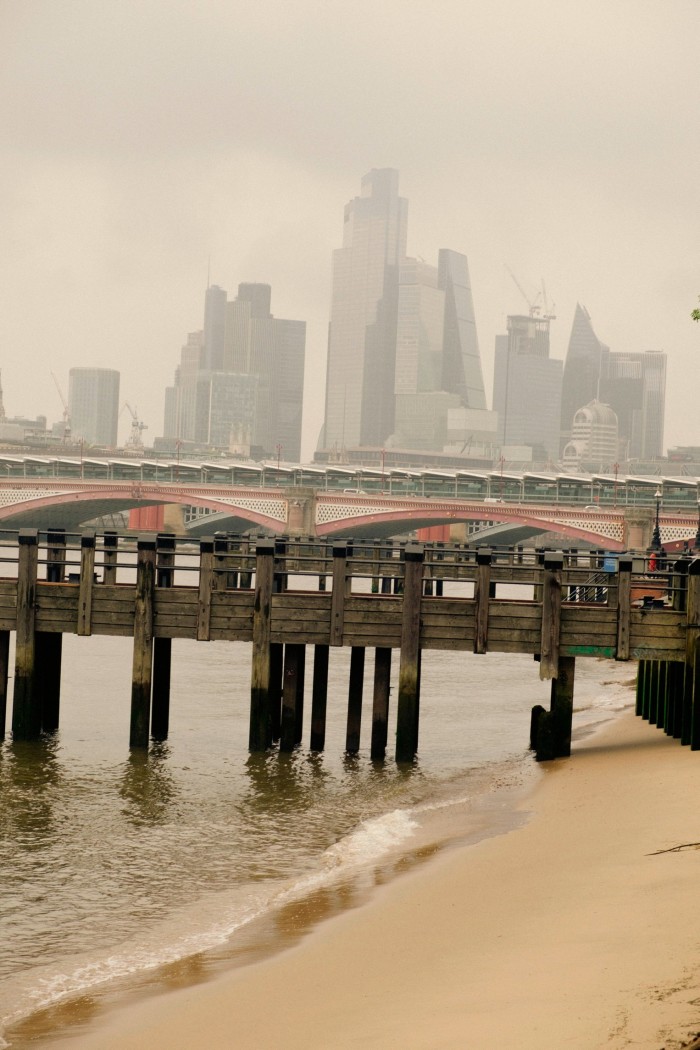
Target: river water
{"type": "Point", "coordinates": [115, 866]}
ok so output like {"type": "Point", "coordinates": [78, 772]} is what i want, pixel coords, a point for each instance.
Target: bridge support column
{"type": "Point", "coordinates": [260, 735]}
{"type": "Point", "coordinates": [357, 674]}
{"type": "Point", "coordinates": [409, 667]}
{"type": "Point", "coordinates": [380, 706]}
{"type": "Point", "coordinates": [26, 706]}
{"type": "Point", "coordinates": [319, 697]}
{"type": "Point", "coordinates": [550, 731]}
{"type": "Point", "coordinates": [142, 667]}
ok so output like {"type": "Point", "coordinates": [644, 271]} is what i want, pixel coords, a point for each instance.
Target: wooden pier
{"type": "Point", "coordinates": [286, 595]}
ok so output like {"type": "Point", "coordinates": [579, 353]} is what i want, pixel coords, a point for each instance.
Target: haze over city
{"type": "Point", "coordinates": [152, 147]}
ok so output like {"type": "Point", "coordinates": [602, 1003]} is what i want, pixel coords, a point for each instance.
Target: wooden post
{"type": "Point", "coordinates": [338, 594]}
{"type": "Point", "coordinates": [275, 690]}
{"type": "Point", "coordinates": [26, 707]}
{"type": "Point", "coordinates": [357, 674]}
{"type": "Point", "coordinates": [380, 704]}
{"type": "Point", "coordinates": [653, 691]}
{"type": "Point", "coordinates": [110, 553]}
{"type": "Point", "coordinates": [639, 694]}
{"type": "Point", "coordinates": [624, 606]}
{"type": "Point", "coordinates": [55, 555]}
{"type": "Point", "coordinates": [206, 586]}
{"type": "Point", "coordinates": [482, 591]}
{"type": "Point", "coordinates": [246, 576]}
{"type": "Point", "coordinates": [663, 694]}
{"type": "Point", "coordinates": [142, 669]}
{"type": "Point", "coordinates": [551, 615]}
{"type": "Point", "coordinates": [4, 672]}
{"type": "Point", "coordinates": [292, 696]}
{"type": "Point", "coordinates": [319, 698]}
{"type": "Point", "coordinates": [562, 706]}
{"type": "Point", "coordinates": [260, 736]}
{"type": "Point", "coordinates": [674, 699]}
{"type": "Point", "coordinates": [220, 562]}
{"type": "Point", "coordinates": [691, 710]}
{"type": "Point", "coordinates": [87, 579]}
{"type": "Point", "coordinates": [49, 644]}
{"type": "Point", "coordinates": [281, 577]}
{"type": "Point", "coordinates": [162, 647]}
{"type": "Point", "coordinates": [409, 666]}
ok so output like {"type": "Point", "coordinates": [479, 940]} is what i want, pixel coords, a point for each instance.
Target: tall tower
{"type": "Point", "coordinates": [527, 387]}
{"type": "Point", "coordinates": [93, 403]}
{"type": "Point", "coordinates": [362, 337]}
{"type": "Point", "coordinates": [581, 369]}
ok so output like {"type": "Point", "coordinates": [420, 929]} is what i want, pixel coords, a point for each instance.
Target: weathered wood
{"type": "Point", "coordinates": [260, 736]}
{"type": "Point", "coordinates": [55, 555]}
{"type": "Point", "coordinates": [354, 723]}
{"type": "Point", "coordinates": [639, 688]}
{"type": "Point", "coordinates": [319, 698]}
{"type": "Point", "coordinates": [338, 593]}
{"type": "Point", "coordinates": [624, 606]}
{"type": "Point", "coordinates": [26, 705]}
{"type": "Point", "coordinates": [292, 696]}
{"type": "Point", "coordinates": [4, 674]}
{"type": "Point", "coordinates": [551, 615]}
{"type": "Point", "coordinates": [380, 703]}
{"type": "Point", "coordinates": [162, 647]}
{"type": "Point", "coordinates": [142, 667]}
{"type": "Point", "coordinates": [206, 586]}
{"type": "Point", "coordinates": [653, 691]}
{"type": "Point", "coordinates": [482, 594]}
{"type": "Point", "coordinates": [690, 728]}
{"type": "Point", "coordinates": [110, 554]}
{"type": "Point", "coordinates": [562, 706]}
{"type": "Point", "coordinates": [87, 578]}
{"type": "Point", "coordinates": [48, 654]}
{"type": "Point", "coordinates": [409, 665]}
{"type": "Point", "coordinates": [275, 690]}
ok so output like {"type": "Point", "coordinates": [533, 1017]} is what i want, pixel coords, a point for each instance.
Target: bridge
{"type": "Point", "coordinates": [69, 501]}
{"type": "Point", "coordinates": [283, 596]}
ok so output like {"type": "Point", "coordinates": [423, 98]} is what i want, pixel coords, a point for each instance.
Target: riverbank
{"type": "Point", "coordinates": [578, 928]}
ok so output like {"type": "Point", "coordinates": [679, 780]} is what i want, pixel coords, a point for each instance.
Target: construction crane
{"type": "Point", "coordinates": [66, 412]}
{"type": "Point", "coordinates": [134, 441]}
{"type": "Point", "coordinates": [538, 303]}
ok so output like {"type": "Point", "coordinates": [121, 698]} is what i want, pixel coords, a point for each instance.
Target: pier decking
{"type": "Point", "coordinates": [284, 595]}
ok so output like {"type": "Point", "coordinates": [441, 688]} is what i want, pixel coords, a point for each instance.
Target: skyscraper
{"type": "Point", "coordinates": [93, 405]}
{"type": "Point", "coordinates": [527, 386]}
{"type": "Point", "coordinates": [581, 368]}
{"type": "Point", "coordinates": [362, 336]}
{"type": "Point", "coordinates": [402, 348]}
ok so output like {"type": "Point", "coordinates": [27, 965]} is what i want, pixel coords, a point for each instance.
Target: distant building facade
{"type": "Point", "coordinates": [93, 405]}
{"type": "Point", "coordinates": [594, 439]}
{"type": "Point", "coordinates": [402, 347]}
{"type": "Point", "coordinates": [239, 385]}
{"type": "Point", "coordinates": [527, 388]}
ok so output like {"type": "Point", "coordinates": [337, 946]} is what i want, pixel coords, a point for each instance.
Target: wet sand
{"type": "Point", "coordinates": [579, 929]}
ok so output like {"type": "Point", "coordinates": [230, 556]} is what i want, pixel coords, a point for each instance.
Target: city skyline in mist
{"type": "Point", "coordinates": [148, 144]}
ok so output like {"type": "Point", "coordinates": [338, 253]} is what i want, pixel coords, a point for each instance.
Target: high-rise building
{"type": "Point", "coordinates": [402, 349]}
{"type": "Point", "coordinates": [594, 439]}
{"type": "Point", "coordinates": [362, 336]}
{"type": "Point", "coordinates": [527, 386]}
{"type": "Point", "coordinates": [633, 384]}
{"type": "Point", "coordinates": [253, 398]}
{"type": "Point", "coordinates": [93, 405]}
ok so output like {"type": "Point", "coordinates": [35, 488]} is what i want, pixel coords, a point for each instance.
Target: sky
{"type": "Point", "coordinates": [147, 146]}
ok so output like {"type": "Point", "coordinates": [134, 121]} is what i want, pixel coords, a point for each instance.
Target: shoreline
{"type": "Point", "coordinates": [576, 928]}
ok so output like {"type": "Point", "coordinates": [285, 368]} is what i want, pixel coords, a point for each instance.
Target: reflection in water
{"type": "Point", "coordinates": [30, 779]}
{"type": "Point", "coordinates": [147, 786]}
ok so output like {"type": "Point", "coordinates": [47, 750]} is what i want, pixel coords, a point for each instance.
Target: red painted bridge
{"type": "Point", "coordinates": [69, 503]}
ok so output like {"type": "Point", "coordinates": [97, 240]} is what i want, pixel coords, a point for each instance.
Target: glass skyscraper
{"type": "Point", "coordinates": [93, 405]}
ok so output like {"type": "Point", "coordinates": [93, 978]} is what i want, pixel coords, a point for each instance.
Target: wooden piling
{"type": "Point", "coordinates": [319, 698]}
{"type": "Point", "coordinates": [49, 644]}
{"type": "Point", "coordinates": [275, 690]}
{"type": "Point", "coordinates": [380, 702]}
{"type": "Point", "coordinates": [624, 607]}
{"type": "Point", "coordinates": [142, 668]}
{"type": "Point", "coordinates": [355, 687]}
{"type": "Point", "coordinates": [562, 706]}
{"type": "Point", "coordinates": [551, 614]}
{"type": "Point", "coordinates": [292, 696]}
{"type": "Point", "coordinates": [110, 553]}
{"type": "Point", "coordinates": [4, 674]}
{"type": "Point", "coordinates": [162, 647]}
{"type": "Point", "coordinates": [87, 578]}
{"type": "Point", "coordinates": [409, 666]}
{"type": "Point", "coordinates": [482, 594]}
{"type": "Point", "coordinates": [260, 736]}
{"type": "Point", "coordinates": [206, 586]}
{"type": "Point", "coordinates": [338, 593]}
{"type": "Point", "coordinates": [663, 694]}
{"type": "Point", "coordinates": [26, 705]}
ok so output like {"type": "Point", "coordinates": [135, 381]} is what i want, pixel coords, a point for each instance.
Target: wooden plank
{"type": "Point", "coordinates": [87, 575]}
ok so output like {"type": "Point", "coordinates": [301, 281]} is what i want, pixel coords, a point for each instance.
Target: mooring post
{"type": "Point", "coordinates": [354, 722]}
{"type": "Point", "coordinates": [319, 698]}
{"type": "Point", "coordinates": [49, 644]}
{"type": "Point", "coordinates": [162, 647]}
{"type": "Point", "coordinates": [4, 674]}
{"type": "Point", "coordinates": [292, 696]}
{"type": "Point", "coordinates": [551, 614]}
{"type": "Point", "coordinates": [260, 736]}
{"type": "Point", "coordinates": [87, 580]}
{"type": "Point", "coordinates": [380, 702]}
{"type": "Point", "coordinates": [26, 706]}
{"type": "Point", "coordinates": [206, 586]}
{"type": "Point", "coordinates": [142, 668]}
{"type": "Point", "coordinates": [482, 594]}
{"type": "Point", "coordinates": [409, 666]}
{"type": "Point", "coordinates": [110, 553]}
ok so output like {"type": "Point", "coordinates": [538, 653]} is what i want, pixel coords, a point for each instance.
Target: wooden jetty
{"type": "Point", "coordinates": [286, 595]}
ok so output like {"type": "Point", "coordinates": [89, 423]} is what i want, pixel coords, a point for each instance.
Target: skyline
{"type": "Point", "coordinates": [535, 136]}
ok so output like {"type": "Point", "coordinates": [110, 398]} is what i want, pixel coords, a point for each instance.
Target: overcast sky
{"type": "Point", "coordinates": [144, 140]}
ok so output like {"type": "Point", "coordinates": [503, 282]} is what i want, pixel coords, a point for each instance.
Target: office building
{"type": "Point", "coordinates": [594, 439]}
{"type": "Point", "coordinates": [580, 383]}
{"type": "Point", "coordinates": [93, 405]}
{"type": "Point", "coordinates": [527, 389]}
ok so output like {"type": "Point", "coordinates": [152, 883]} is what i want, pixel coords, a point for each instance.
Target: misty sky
{"type": "Point", "coordinates": [143, 138]}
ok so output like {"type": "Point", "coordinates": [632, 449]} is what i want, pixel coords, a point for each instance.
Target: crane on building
{"type": "Point", "coordinates": [66, 411]}
{"type": "Point", "coordinates": [537, 304]}
{"type": "Point", "coordinates": [135, 441]}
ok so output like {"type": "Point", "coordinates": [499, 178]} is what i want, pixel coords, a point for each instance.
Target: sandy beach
{"type": "Point", "coordinates": [579, 929]}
